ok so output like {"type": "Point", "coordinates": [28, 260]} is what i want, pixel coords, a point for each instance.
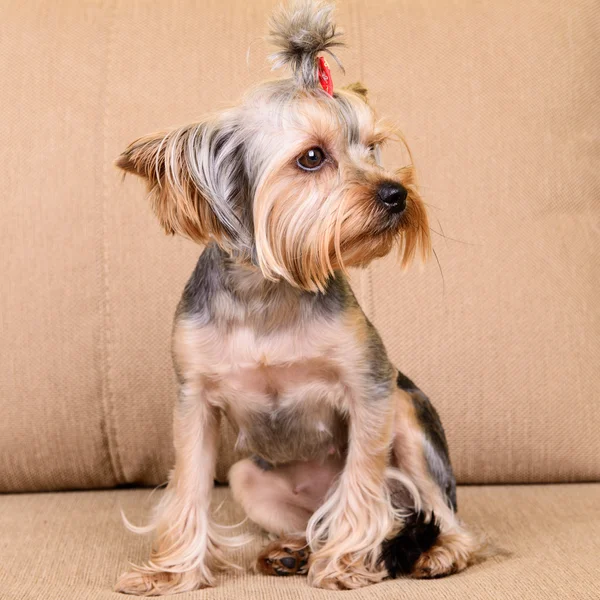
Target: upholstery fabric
{"type": "Point", "coordinates": [73, 546]}
{"type": "Point", "coordinates": [499, 103]}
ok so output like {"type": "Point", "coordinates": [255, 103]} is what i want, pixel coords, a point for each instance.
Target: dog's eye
{"type": "Point", "coordinates": [311, 160]}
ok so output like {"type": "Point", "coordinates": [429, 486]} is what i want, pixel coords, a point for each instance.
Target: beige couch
{"type": "Point", "coordinates": [499, 101]}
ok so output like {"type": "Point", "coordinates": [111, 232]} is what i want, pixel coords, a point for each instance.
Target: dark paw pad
{"type": "Point", "coordinates": [288, 562]}
{"type": "Point", "coordinates": [283, 561]}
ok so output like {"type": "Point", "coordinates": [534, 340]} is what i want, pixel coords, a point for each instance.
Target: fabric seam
{"type": "Point", "coordinates": [111, 438]}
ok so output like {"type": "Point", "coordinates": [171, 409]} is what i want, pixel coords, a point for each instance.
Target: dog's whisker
{"type": "Point", "coordinates": [437, 260]}
{"type": "Point", "coordinates": [453, 239]}
{"type": "Point", "coordinates": [429, 205]}
{"type": "Point", "coordinates": [442, 230]}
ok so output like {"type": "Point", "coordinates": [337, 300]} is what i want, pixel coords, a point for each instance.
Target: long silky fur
{"type": "Point", "coordinates": [360, 531]}
{"type": "Point", "coordinates": [302, 29]}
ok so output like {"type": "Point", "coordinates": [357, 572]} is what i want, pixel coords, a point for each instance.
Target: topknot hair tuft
{"type": "Point", "coordinates": [302, 29]}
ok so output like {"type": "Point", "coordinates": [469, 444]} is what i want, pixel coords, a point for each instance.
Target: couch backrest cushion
{"type": "Point", "coordinates": [499, 102]}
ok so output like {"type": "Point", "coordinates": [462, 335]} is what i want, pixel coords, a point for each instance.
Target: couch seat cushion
{"type": "Point", "coordinates": [72, 545]}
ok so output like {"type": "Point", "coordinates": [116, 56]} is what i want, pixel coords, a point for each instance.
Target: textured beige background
{"type": "Point", "coordinates": [499, 104]}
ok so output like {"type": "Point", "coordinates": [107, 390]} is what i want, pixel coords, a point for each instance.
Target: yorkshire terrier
{"type": "Point", "coordinates": [347, 459]}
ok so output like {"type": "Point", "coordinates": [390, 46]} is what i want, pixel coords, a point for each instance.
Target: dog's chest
{"type": "Point", "coordinates": [281, 390]}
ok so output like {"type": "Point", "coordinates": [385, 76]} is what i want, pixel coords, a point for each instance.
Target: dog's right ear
{"type": "Point", "coordinates": [194, 178]}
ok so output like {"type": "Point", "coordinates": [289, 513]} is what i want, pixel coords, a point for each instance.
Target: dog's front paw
{"type": "Point", "coordinates": [156, 583]}
{"type": "Point", "coordinates": [344, 573]}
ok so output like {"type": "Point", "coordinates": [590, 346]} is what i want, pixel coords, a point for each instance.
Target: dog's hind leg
{"type": "Point", "coordinates": [281, 500]}
{"type": "Point", "coordinates": [444, 546]}
{"type": "Point", "coordinates": [287, 555]}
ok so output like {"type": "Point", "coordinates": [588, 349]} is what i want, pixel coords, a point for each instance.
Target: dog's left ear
{"type": "Point", "coordinates": [195, 180]}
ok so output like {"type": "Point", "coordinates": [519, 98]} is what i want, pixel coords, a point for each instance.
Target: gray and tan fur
{"type": "Point", "coordinates": [287, 191]}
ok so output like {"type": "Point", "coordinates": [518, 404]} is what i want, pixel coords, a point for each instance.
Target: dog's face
{"type": "Point", "coordinates": [290, 181]}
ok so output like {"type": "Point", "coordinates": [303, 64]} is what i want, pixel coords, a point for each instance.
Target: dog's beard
{"type": "Point", "coordinates": [304, 233]}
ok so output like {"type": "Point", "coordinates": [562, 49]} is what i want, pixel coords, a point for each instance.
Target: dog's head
{"type": "Point", "coordinates": [290, 179]}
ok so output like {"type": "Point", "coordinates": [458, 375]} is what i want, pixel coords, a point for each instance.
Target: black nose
{"type": "Point", "coordinates": [393, 195]}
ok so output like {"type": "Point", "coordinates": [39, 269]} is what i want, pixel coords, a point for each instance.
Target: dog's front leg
{"type": "Point", "coordinates": [346, 532]}
{"type": "Point", "coordinates": [186, 552]}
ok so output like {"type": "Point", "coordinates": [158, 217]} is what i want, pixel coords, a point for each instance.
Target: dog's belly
{"type": "Point", "coordinates": [286, 412]}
